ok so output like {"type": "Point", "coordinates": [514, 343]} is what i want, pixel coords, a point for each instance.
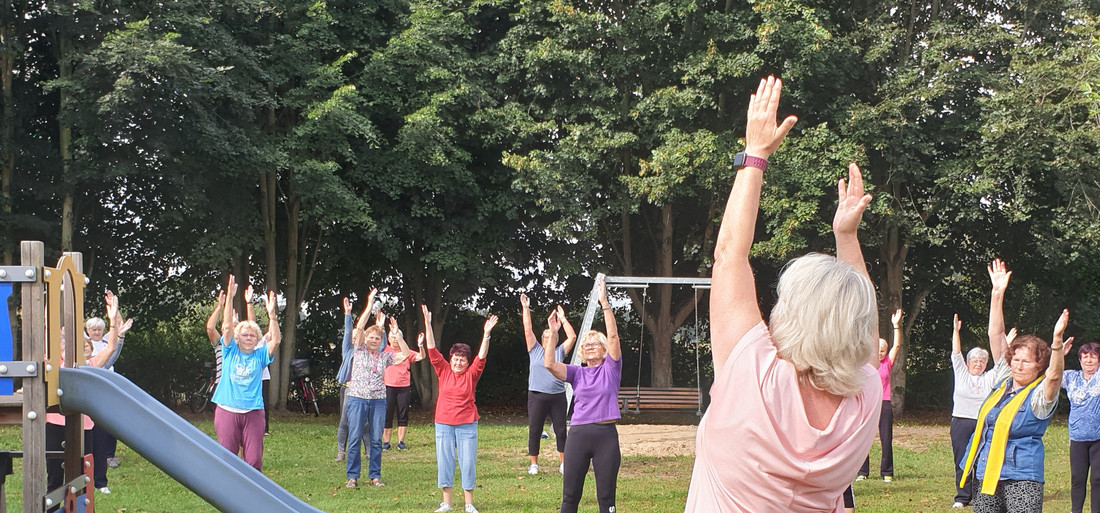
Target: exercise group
{"type": "Point", "coordinates": [804, 393]}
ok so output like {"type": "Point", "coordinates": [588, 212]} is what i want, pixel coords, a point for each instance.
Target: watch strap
{"type": "Point", "coordinates": [745, 160]}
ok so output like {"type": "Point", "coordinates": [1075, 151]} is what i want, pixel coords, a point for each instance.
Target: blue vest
{"type": "Point", "coordinates": [1024, 452]}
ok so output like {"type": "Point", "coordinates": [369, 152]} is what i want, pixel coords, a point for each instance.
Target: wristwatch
{"type": "Point", "coordinates": [743, 159]}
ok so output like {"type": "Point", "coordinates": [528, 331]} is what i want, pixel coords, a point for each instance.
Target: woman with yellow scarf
{"type": "Point", "coordinates": [1006, 452]}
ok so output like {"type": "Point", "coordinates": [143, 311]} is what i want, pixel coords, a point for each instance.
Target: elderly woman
{"type": "Point", "coordinates": [972, 386]}
{"type": "Point", "coordinates": [1083, 390]}
{"type": "Point", "coordinates": [398, 381]}
{"type": "Point", "coordinates": [55, 422]}
{"type": "Point", "coordinates": [239, 417]}
{"type": "Point", "coordinates": [103, 442]}
{"type": "Point", "coordinates": [343, 375]}
{"type": "Point", "coordinates": [366, 396]}
{"type": "Point", "coordinates": [887, 355]}
{"type": "Point", "coordinates": [455, 412]}
{"type": "Point", "coordinates": [799, 396]}
{"type": "Point", "coordinates": [545, 392]}
{"type": "Point", "coordinates": [593, 436]}
{"type": "Point", "coordinates": [1006, 452]}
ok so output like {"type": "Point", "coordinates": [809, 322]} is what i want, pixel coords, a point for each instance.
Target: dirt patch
{"type": "Point", "coordinates": [675, 440]}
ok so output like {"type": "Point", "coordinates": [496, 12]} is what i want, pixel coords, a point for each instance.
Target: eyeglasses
{"type": "Point", "coordinates": [591, 344]}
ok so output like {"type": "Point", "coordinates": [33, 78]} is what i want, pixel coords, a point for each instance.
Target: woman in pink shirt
{"type": "Point", "coordinates": [887, 355]}
{"type": "Point", "coordinates": [798, 396]}
{"type": "Point", "coordinates": [398, 390]}
{"type": "Point", "coordinates": [455, 412]}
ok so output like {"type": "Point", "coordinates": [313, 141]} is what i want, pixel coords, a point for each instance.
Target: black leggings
{"type": "Point", "coordinates": [886, 439]}
{"type": "Point", "coordinates": [598, 443]}
{"type": "Point", "coordinates": [1083, 455]}
{"type": "Point", "coordinates": [961, 432]}
{"type": "Point", "coordinates": [849, 498]}
{"type": "Point", "coordinates": [397, 401]}
{"type": "Point", "coordinates": [55, 437]}
{"type": "Point", "coordinates": [539, 405]}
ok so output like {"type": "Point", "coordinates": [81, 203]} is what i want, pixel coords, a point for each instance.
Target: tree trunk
{"type": "Point", "coordinates": [422, 373]}
{"type": "Point", "coordinates": [892, 253]}
{"type": "Point", "coordinates": [7, 132]}
{"type": "Point", "coordinates": [64, 139]}
{"type": "Point", "coordinates": [280, 381]}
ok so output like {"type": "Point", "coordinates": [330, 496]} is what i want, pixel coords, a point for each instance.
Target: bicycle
{"type": "Point", "coordinates": [200, 400]}
{"type": "Point", "coordinates": [299, 374]}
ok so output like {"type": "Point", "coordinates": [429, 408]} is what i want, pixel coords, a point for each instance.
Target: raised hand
{"type": "Point", "coordinates": [231, 287]}
{"type": "Point", "coordinates": [999, 275]}
{"type": "Point", "coordinates": [371, 295]}
{"type": "Point", "coordinates": [851, 202]}
{"type": "Point", "coordinates": [763, 134]}
{"type": "Point", "coordinates": [561, 313]}
{"type": "Point", "coordinates": [420, 339]}
{"type": "Point", "coordinates": [270, 304]}
{"type": "Point", "coordinates": [1010, 336]}
{"type": "Point", "coordinates": [895, 318]}
{"type": "Point", "coordinates": [427, 315]}
{"type": "Point", "coordinates": [380, 319]}
{"type": "Point", "coordinates": [112, 304]}
{"type": "Point", "coordinates": [489, 323]}
{"type": "Point", "coordinates": [553, 321]}
{"type": "Point", "coordinates": [347, 306]}
{"type": "Point", "coordinates": [125, 327]}
{"type": "Point", "coordinates": [221, 298]}
{"type": "Point", "coordinates": [957, 324]}
{"type": "Point", "coordinates": [248, 294]}
{"type": "Point", "coordinates": [1067, 346]}
{"type": "Point", "coordinates": [524, 302]}
{"type": "Point", "coordinates": [603, 292]}
{"type": "Point", "coordinates": [1060, 326]}
{"type": "Point", "coordinates": [393, 326]}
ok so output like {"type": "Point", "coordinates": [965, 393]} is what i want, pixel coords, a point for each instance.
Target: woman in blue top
{"type": "Point", "coordinates": [239, 417]}
{"type": "Point", "coordinates": [545, 393]}
{"type": "Point", "coordinates": [1006, 452]}
{"type": "Point", "coordinates": [1083, 390]}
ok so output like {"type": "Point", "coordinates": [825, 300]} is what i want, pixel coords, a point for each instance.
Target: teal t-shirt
{"type": "Point", "coordinates": [241, 386]}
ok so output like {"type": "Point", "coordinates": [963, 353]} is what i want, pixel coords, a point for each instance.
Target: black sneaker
{"type": "Point", "coordinates": [401, 446]}
{"type": "Point", "coordinates": [385, 446]}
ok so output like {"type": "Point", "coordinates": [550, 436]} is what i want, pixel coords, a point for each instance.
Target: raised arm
{"type": "Point", "coordinates": [429, 337]}
{"type": "Point", "coordinates": [1057, 357]}
{"type": "Point", "coordinates": [956, 339]}
{"type": "Point", "coordinates": [250, 313]}
{"type": "Point", "coordinates": [121, 338]}
{"type": "Point", "coordinates": [229, 320]}
{"type": "Point", "coordinates": [999, 275]}
{"type": "Point", "coordinates": [556, 368]}
{"type": "Point", "coordinates": [395, 334]}
{"type": "Point", "coordinates": [570, 333]}
{"type": "Point", "coordinates": [895, 319]}
{"type": "Point", "coordinates": [346, 345]}
{"type": "Point", "coordinates": [273, 334]}
{"type": "Point", "coordinates": [365, 316]}
{"type": "Point", "coordinates": [115, 318]}
{"type": "Point", "coordinates": [212, 321]}
{"type": "Point", "coordinates": [614, 349]}
{"type": "Point", "coordinates": [733, 303]}
{"type": "Point", "coordinates": [851, 203]}
{"type": "Point", "coordinates": [486, 331]}
{"type": "Point", "coordinates": [421, 353]}
{"type": "Point", "coordinates": [528, 329]}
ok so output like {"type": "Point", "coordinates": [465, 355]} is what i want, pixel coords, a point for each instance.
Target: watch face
{"type": "Point", "coordinates": [739, 160]}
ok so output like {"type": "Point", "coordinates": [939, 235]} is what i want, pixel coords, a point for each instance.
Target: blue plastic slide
{"type": "Point", "coordinates": [172, 444]}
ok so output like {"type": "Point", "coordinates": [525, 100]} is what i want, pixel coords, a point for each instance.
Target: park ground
{"type": "Point", "coordinates": [657, 460]}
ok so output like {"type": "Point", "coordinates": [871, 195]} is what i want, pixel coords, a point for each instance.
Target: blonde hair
{"type": "Point", "coordinates": [249, 325]}
{"type": "Point", "coordinates": [825, 322]}
{"type": "Point", "coordinates": [593, 334]}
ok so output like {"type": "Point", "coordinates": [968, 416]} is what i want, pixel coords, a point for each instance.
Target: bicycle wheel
{"type": "Point", "coordinates": [200, 399]}
{"type": "Point", "coordinates": [312, 393]}
{"type": "Point", "coordinates": [300, 394]}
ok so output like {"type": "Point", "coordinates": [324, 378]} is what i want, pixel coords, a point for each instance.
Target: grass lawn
{"type": "Point", "coordinates": [299, 456]}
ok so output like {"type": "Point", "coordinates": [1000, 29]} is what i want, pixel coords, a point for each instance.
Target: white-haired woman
{"type": "Point", "coordinates": [972, 386]}
{"type": "Point", "coordinates": [593, 436]}
{"type": "Point", "coordinates": [798, 397]}
{"type": "Point", "coordinates": [239, 417]}
{"type": "Point", "coordinates": [104, 443]}
{"type": "Point", "coordinates": [545, 392]}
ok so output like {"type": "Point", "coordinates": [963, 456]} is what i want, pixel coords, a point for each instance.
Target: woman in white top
{"type": "Point", "coordinates": [972, 386]}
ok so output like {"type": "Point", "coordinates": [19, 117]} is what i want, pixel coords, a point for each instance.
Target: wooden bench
{"type": "Point", "coordinates": [667, 399]}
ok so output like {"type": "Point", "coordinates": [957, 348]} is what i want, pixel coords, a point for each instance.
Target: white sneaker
{"type": "Point", "coordinates": [443, 508]}
{"type": "Point", "coordinates": [470, 508]}
{"type": "Point", "coordinates": [561, 468]}
{"type": "Point", "coordinates": [957, 505]}
{"type": "Point", "coordinates": [105, 490]}
{"type": "Point", "coordinates": [533, 469]}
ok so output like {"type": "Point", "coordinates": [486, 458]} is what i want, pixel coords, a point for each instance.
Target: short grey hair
{"type": "Point", "coordinates": [977, 352]}
{"type": "Point", "coordinates": [825, 322]}
{"type": "Point", "coordinates": [95, 323]}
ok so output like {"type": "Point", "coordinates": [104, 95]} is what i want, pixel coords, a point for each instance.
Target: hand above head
{"type": "Point", "coordinates": [420, 339]}
{"type": "Point", "coordinates": [379, 318]}
{"type": "Point", "coordinates": [999, 275]}
{"type": "Point", "coordinates": [370, 296]}
{"type": "Point", "coordinates": [1010, 336]}
{"type": "Point", "coordinates": [248, 294]}
{"type": "Point", "coordinates": [553, 321]}
{"type": "Point", "coordinates": [427, 315]}
{"type": "Point", "coordinates": [523, 302]}
{"type": "Point", "coordinates": [347, 306]}
{"type": "Point", "coordinates": [489, 323]}
{"type": "Point", "coordinates": [125, 326]}
{"type": "Point", "coordinates": [851, 202]}
{"type": "Point", "coordinates": [112, 306]}
{"type": "Point", "coordinates": [1060, 326]}
{"type": "Point", "coordinates": [1067, 345]}
{"type": "Point", "coordinates": [221, 298]}
{"type": "Point", "coordinates": [763, 134]}
{"type": "Point", "coordinates": [603, 292]}
{"type": "Point", "coordinates": [895, 318]}
{"type": "Point", "coordinates": [957, 324]}
{"type": "Point", "coordinates": [561, 313]}
{"type": "Point", "coordinates": [270, 304]}
{"type": "Point", "coordinates": [393, 326]}
{"type": "Point", "coordinates": [231, 287]}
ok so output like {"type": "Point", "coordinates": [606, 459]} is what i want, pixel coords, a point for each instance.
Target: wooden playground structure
{"type": "Point", "coordinates": [51, 313]}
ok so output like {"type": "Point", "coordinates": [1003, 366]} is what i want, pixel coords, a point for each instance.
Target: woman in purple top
{"type": "Point", "coordinates": [593, 436]}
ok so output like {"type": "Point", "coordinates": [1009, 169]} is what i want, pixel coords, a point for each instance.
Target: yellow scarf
{"type": "Point", "coordinates": [1000, 434]}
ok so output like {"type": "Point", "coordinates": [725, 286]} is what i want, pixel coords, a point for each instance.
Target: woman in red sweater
{"type": "Point", "coordinates": [455, 412]}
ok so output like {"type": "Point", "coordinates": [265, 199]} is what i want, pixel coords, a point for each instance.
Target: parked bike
{"type": "Point", "coordinates": [200, 400]}
{"type": "Point", "coordinates": [301, 386]}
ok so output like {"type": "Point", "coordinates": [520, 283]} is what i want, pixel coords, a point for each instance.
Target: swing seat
{"type": "Point", "coordinates": [659, 399]}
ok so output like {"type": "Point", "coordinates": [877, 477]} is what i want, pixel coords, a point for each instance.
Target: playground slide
{"type": "Point", "coordinates": [172, 444]}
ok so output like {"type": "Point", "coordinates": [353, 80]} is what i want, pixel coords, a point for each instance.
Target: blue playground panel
{"type": "Point", "coordinates": [7, 385]}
